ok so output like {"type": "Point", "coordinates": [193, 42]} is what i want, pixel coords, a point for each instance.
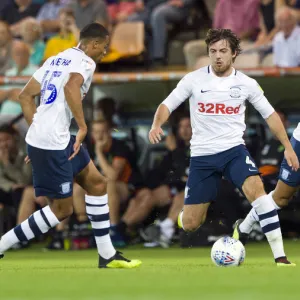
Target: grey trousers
{"type": "Point", "coordinates": [158, 19]}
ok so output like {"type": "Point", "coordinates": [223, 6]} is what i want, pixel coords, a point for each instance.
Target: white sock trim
{"type": "Point", "coordinates": [100, 225]}
{"type": "Point", "coordinates": [53, 221]}
{"type": "Point", "coordinates": [40, 222]}
{"type": "Point", "coordinates": [268, 206]}
{"type": "Point", "coordinates": [27, 230]}
{"type": "Point", "coordinates": [94, 210]}
{"type": "Point", "coordinates": [274, 203]}
{"type": "Point", "coordinates": [96, 200]}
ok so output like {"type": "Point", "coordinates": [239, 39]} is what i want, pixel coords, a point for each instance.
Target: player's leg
{"type": "Point", "coordinates": [52, 178]}
{"type": "Point", "coordinates": [201, 189]}
{"type": "Point", "coordinates": [27, 204]}
{"type": "Point", "coordinates": [243, 173]}
{"type": "Point", "coordinates": [27, 207]}
{"type": "Point", "coordinates": [38, 223]}
{"type": "Point", "coordinates": [97, 209]}
{"type": "Point", "coordinates": [118, 193]}
{"type": "Point", "coordinates": [287, 185]}
{"type": "Point", "coordinates": [280, 198]}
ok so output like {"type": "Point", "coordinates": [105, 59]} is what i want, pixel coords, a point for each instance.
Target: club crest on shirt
{"type": "Point", "coordinates": [235, 92]}
{"type": "Point", "coordinates": [65, 187]}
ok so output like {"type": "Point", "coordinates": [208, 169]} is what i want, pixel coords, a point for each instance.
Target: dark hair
{"type": "Point", "coordinates": [94, 31]}
{"type": "Point", "coordinates": [107, 105]}
{"type": "Point", "coordinates": [215, 35]}
{"type": "Point", "coordinates": [8, 129]}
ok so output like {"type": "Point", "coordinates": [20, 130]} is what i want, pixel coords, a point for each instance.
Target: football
{"type": "Point", "coordinates": [228, 252]}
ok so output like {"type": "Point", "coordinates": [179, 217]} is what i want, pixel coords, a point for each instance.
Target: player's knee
{"type": "Point", "coordinates": [62, 211]}
{"type": "Point", "coordinates": [192, 224]}
{"type": "Point", "coordinates": [253, 188]}
{"type": "Point", "coordinates": [157, 14]}
{"type": "Point", "coordinates": [282, 201]}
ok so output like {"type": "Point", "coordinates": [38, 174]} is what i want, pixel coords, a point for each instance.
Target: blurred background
{"type": "Point", "coordinates": [154, 43]}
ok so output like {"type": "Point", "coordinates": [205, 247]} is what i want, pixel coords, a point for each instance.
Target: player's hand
{"type": "Point", "coordinates": [27, 160]}
{"type": "Point", "coordinates": [79, 139]}
{"type": "Point", "coordinates": [101, 144]}
{"type": "Point", "coordinates": [155, 135]}
{"type": "Point", "coordinates": [291, 159]}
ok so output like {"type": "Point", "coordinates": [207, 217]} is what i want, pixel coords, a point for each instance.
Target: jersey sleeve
{"type": "Point", "coordinates": [182, 92]}
{"type": "Point", "coordinates": [259, 101]}
{"type": "Point", "coordinates": [84, 66]}
{"type": "Point", "coordinates": [40, 72]}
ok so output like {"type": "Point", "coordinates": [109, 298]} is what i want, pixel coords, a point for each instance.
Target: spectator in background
{"type": "Point", "coordinates": [165, 187]}
{"type": "Point", "coordinates": [14, 173]}
{"type": "Point", "coordinates": [242, 17]}
{"type": "Point", "coordinates": [16, 12]}
{"type": "Point", "coordinates": [31, 33]}
{"type": "Point", "coordinates": [143, 10]}
{"type": "Point", "coordinates": [119, 10]}
{"type": "Point", "coordinates": [48, 16]}
{"type": "Point", "coordinates": [293, 4]}
{"type": "Point", "coordinates": [106, 109]}
{"type": "Point", "coordinates": [22, 67]}
{"type": "Point", "coordinates": [173, 11]}
{"type": "Point", "coordinates": [88, 11]}
{"type": "Point", "coordinates": [286, 44]}
{"type": "Point", "coordinates": [267, 22]}
{"type": "Point", "coordinates": [6, 45]}
{"type": "Point", "coordinates": [67, 37]}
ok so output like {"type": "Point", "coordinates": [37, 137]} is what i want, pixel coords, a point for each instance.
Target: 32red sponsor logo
{"type": "Point", "coordinates": [218, 108]}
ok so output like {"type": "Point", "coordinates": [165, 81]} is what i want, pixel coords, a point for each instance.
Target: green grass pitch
{"type": "Point", "coordinates": [175, 273]}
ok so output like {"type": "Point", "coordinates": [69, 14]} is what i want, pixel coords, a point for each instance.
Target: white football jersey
{"type": "Point", "coordinates": [296, 133]}
{"type": "Point", "coordinates": [50, 126]}
{"type": "Point", "coordinates": [217, 108]}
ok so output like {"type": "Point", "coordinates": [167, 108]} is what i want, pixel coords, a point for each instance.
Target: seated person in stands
{"type": "Point", "coordinates": [116, 161]}
{"type": "Point", "coordinates": [120, 10]}
{"type": "Point", "coordinates": [31, 34]}
{"type": "Point", "coordinates": [48, 16]}
{"type": "Point", "coordinates": [67, 36]}
{"type": "Point", "coordinates": [22, 67]}
{"type": "Point", "coordinates": [16, 12]}
{"type": "Point", "coordinates": [242, 17]}
{"type": "Point", "coordinates": [270, 158]}
{"type": "Point", "coordinates": [106, 109]}
{"type": "Point", "coordinates": [14, 174]}
{"type": "Point", "coordinates": [286, 43]}
{"type": "Point", "coordinates": [165, 187]}
{"type": "Point", "coordinates": [6, 45]}
{"type": "Point", "coordinates": [89, 11]}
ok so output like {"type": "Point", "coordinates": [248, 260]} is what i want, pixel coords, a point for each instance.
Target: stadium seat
{"type": "Point", "coordinates": [127, 41]}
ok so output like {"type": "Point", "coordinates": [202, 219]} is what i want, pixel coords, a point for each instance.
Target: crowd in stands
{"type": "Point", "coordinates": [268, 28]}
{"type": "Point", "coordinates": [32, 31]}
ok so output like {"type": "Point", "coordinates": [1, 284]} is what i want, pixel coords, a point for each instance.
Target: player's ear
{"type": "Point", "coordinates": [234, 55]}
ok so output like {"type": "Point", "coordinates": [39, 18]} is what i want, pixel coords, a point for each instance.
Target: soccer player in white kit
{"type": "Point", "coordinates": [58, 158]}
{"type": "Point", "coordinates": [217, 96]}
{"type": "Point", "coordinates": [288, 184]}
